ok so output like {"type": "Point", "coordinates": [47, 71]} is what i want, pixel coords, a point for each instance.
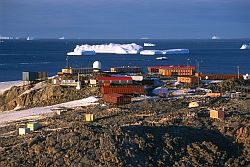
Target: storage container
{"type": "Point", "coordinates": [33, 126]}
{"type": "Point", "coordinates": [89, 117]}
{"type": "Point", "coordinates": [23, 131]}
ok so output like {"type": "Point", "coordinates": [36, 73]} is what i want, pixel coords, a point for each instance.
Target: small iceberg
{"type": "Point", "coordinates": [148, 44]}
{"type": "Point", "coordinates": [161, 58]}
{"type": "Point", "coordinates": [163, 52]}
{"type": "Point", "coordinates": [245, 46]}
{"type": "Point", "coordinates": [153, 52]}
{"type": "Point", "coordinates": [215, 37]}
{"type": "Point", "coordinates": [29, 38]}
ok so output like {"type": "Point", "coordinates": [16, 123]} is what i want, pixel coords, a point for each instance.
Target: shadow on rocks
{"type": "Point", "coordinates": [151, 145]}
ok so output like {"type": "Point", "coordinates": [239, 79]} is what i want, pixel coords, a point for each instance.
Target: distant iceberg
{"type": "Point", "coordinates": [29, 38]}
{"type": "Point", "coordinates": [148, 44]}
{"type": "Point", "coordinates": [161, 58]}
{"type": "Point", "coordinates": [245, 46]}
{"type": "Point", "coordinates": [215, 37]}
{"type": "Point", "coordinates": [107, 48]}
{"type": "Point", "coordinates": [163, 52]}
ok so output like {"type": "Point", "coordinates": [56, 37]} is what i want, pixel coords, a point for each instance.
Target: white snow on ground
{"type": "Point", "coordinates": [7, 85]}
{"type": "Point", "coordinates": [107, 48]}
{"type": "Point", "coordinates": [9, 116]}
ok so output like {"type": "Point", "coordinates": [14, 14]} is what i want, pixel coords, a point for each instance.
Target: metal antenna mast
{"type": "Point", "coordinates": [238, 68]}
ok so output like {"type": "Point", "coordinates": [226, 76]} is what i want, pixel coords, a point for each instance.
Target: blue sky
{"type": "Point", "coordinates": [125, 18]}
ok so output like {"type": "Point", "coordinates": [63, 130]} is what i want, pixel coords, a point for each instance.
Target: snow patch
{"type": "Point", "coordinates": [9, 116]}
{"type": "Point", "coordinates": [38, 86]}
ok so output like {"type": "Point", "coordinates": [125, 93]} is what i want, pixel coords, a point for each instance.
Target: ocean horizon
{"type": "Point", "coordinates": [49, 55]}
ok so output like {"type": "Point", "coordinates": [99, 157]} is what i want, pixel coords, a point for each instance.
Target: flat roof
{"type": "Point", "coordinates": [114, 78]}
{"type": "Point", "coordinates": [165, 67]}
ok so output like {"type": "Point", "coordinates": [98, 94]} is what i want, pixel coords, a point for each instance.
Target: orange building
{"type": "Point", "coordinates": [173, 70]}
{"type": "Point", "coordinates": [187, 79]}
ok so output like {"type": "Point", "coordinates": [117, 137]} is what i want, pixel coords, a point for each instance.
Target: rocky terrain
{"type": "Point", "coordinates": [146, 133]}
{"type": "Point", "coordinates": [41, 94]}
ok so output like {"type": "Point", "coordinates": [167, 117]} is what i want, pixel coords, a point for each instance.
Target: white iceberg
{"type": "Point", "coordinates": [163, 52]}
{"type": "Point", "coordinates": [153, 52]}
{"type": "Point", "coordinates": [177, 51]}
{"type": "Point", "coordinates": [245, 46]}
{"type": "Point", "coordinates": [107, 48]}
{"type": "Point", "coordinates": [215, 37]}
{"type": "Point", "coordinates": [148, 44]}
{"type": "Point", "coordinates": [161, 58]}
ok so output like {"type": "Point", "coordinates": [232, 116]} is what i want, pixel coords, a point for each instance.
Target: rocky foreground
{"type": "Point", "coordinates": [146, 133]}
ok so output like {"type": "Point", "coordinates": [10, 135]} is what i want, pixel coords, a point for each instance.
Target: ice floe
{"type": "Point", "coordinates": [163, 52]}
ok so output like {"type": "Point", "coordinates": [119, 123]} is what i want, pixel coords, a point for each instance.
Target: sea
{"type": "Point", "coordinates": [49, 55]}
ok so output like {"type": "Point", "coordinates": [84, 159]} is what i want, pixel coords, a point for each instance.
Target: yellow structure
{"type": "Point", "coordinates": [217, 114]}
{"type": "Point", "coordinates": [33, 126]}
{"type": "Point", "coordinates": [213, 94]}
{"type": "Point", "coordinates": [23, 131]}
{"type": "Point", "coordinates": [89, 117]}
{"type": "Point", "coordinates": [194, 104]}
{"type": "Point", "coordinates": [187, 79]}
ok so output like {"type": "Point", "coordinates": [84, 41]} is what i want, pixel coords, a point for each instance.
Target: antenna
{"type": "Point", "coordinates": [238, 67]}
{"type": "Point", "coordinates": [67, 61]}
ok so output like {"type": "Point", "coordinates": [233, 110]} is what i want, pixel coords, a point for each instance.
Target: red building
{"type": "Point", "coordinates": [123, 89]}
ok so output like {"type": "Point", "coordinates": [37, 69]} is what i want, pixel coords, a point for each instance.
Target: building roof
{"type": "Point", "coordinates": [127, 67]}
{"type": "Point", "coordinates": [114, 78]}
{"type": "Point", "coordinates": [114, 95]}
{"type": "Point", "coordinates": [166, 67]}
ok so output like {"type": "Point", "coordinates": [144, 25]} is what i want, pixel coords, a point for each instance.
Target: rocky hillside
{"type": "Point", "coordinates": [147, 133]}
{"type": "Point", "coordinates": [41, 94]}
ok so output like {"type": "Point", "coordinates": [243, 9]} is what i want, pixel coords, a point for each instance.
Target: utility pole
{"type": "Point", "coordinates": [67, 61]}
{"type": "Point", "coordinates": [238, 68]}
{"type": "Point", "coordinates": [198, 66]}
